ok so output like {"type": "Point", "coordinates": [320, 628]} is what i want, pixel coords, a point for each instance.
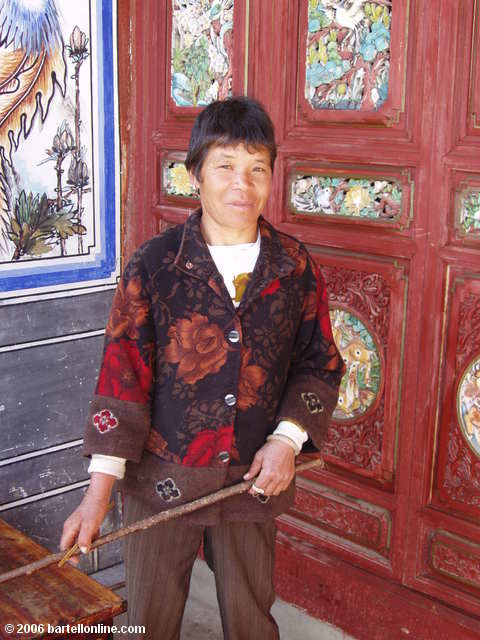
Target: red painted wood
{"type": "Point", "coordinates": [383, 549]}
{"type": "Point", "coordinates": [364, 605]}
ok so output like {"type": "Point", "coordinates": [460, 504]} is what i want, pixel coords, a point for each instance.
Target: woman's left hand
{"type": "Point", "coordinates": [275, 462]}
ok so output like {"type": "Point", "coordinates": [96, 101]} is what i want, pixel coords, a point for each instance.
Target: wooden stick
{"type": "Point", "coordinates": [75, 547]}
{"type": "Point", "coordinates": [147, 523]}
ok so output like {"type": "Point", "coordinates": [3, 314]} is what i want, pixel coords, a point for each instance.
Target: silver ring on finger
{"type": "Point", "coordinates": [258, 489]}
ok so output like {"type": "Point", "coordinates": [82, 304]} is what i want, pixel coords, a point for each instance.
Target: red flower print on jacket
{"type": "Point", "coordinates": [252, 377]}
{"type": "Point", "coordinates": [129, 310]}
{"type": "Point", "coordinates": [272, 287]}
{"type": "Point", "coordinates": [323, 313]}
{"type": "Point", "coordinates": [207, 444]}
{"type": "Point", "coordinates": [316, 304]}
{"type": "Point", "coordinates": [124, 374]}
{"type": "Point", "coordinates": [104, 420]}
{"type": "Point", "coordinates": [198, 346]}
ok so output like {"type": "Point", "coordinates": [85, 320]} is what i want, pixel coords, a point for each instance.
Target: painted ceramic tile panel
{"type": "Point", "coordinates": [58, 143]}
{"type": "Point", "coordinates": [349, 197]}
{"type": "Point", "coordinates": [361, 383]}
{"type": "Point", "coordinates": [348, 54]}
{"type": "Point", "coordinates": [470, 213]}
{"type": "Point", "coordinates": [176, 181]}
{"type": "Point", "coordinates": [468, 405]}
{"type": "Point", "coordinates": [202, 46]}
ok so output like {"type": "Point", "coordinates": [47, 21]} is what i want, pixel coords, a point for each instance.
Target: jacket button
{"type": "Point", "coordinates": [189, 265]}
{"type": "Point", "coordinates": [224, 456]}
{"type": "Point", "coordinates": [233, 336]}
{"type": "Point", "coordinates": [230, 399]}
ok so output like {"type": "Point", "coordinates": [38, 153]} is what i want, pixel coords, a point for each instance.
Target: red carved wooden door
{"type": "Point", "coordinates": [377, 113]}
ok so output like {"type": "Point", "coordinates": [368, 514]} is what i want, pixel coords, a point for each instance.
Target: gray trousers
{"type": "Point", "coordinates": [159, 563]}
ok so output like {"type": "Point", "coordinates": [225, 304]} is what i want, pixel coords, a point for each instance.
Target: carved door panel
{"type": "Point", "coordinates": [376, 106]}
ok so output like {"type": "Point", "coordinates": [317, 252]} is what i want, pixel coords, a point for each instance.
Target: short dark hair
{"type": "Point", "coordinates": [232, 121]}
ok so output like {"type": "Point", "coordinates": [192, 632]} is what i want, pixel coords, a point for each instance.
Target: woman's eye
{"type": "Point", "coordinates": [225, 166]}
{"type": "Point", "coordinates": [260, 169]}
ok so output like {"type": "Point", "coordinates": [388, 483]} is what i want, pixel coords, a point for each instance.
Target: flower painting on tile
{"type": "Point", "coordinates": [348, 54]}
{"type": "Point", "coordinates": [468, 405]}
{"type": "Point", "coordinates": [377, 199]}
{"type": "Point", "coordinates": [202, 44]}
{"type": "Point", "coordinates": [361, 383]}
{"type": "Point", "coordinates": [45, 131]}
{"type": "Point", "coordinates": [470, 213]}
{"type": "Point", "coordinates": [59, 205]}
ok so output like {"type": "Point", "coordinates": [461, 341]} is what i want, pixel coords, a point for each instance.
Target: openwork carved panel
{"type": "Point", "coordinates": [467, 72]}
{"type": "Point", "coordinates": [474, 84]}
{"type": "Point", "coordinates": [201, 51]}
{"type": "Point", "coordinates": [175, 180]}
{"type": "Point", "coordinates": [329, 194]}
{"type": "Point", "coordinates": [466, 207]}
{"type": "Point", "coordinates": [348, 54]}
{"type": "Point", "coordinates": [352, 60]}
{"type": "Point", "coordinates": [459, 457]}
{"type": "Point", "coordinates": [358, 442]}
{"type": "Point", "coordinates": [348, 197]}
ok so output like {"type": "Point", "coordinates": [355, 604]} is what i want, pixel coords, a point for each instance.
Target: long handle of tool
{"type": "Point", "coordinates": [151, 521]}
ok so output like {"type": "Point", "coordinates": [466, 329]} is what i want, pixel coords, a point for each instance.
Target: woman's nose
{"type": "Point", "coordinates": [242, 178]}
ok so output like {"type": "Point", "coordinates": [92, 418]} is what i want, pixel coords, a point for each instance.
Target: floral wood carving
{"type": "Point", "coordinates": [462, 472]}
{"type": "Point", "coordinates": [469, 213]}
{"type": "Point", "coordinates": [202, 51]}
{"type": "Point", "coordinates": [345, 196]}
{"type": "Point", "coordinates": [457, 564]}
{"type": "Point", "coordinates": [368, 529]}
{"type": "Point", "coordinates": [360, 444]}
{"type": "Point", "coordinates": [468, 341]}
{"type": "Point", "coordinates": [365, 293]}
{"type": "Point", "coordinates": [348, 54]}
{"type": "Point", "coordinates": [175, 179]}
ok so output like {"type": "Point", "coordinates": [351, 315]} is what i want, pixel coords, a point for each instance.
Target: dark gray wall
{"type": "Point", "coordinates": [49, 356]}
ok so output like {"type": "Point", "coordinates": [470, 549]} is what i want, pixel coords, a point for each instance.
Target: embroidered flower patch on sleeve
{"type": "Point", "coordinates": [168, 490]}
{"type": "Point", "coordinates": [104, 420]}
{"type": "Point", "coordinates": [313, 402]}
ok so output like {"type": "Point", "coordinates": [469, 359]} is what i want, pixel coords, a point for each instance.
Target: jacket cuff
{"type": "Point", "coordinates": [111, 465]}
{"type": "Point", "coordinates": [116, 428]}
{"type": "Point", "coordinates": [292, 431]}
{"type": "Point", "coordinates": [309, 403]}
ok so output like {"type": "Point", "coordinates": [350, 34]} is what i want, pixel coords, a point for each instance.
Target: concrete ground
{"type": "Point", "coordinates": [202, 620]}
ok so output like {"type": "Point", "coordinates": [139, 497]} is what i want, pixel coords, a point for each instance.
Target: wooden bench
{"type": "Point", "coordinates": [52, 597]}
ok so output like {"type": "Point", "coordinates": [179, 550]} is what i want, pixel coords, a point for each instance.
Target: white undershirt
{"type": "Point", "coordinates": [230, 260]}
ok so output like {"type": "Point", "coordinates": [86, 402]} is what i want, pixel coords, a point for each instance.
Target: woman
{"type": "Point", "coordinates": [219, 364]}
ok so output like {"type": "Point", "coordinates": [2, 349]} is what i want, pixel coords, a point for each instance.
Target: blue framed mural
{"type": "Point", "coordinates": [59, 146]}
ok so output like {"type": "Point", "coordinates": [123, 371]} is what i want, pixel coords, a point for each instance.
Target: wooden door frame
{"type": "Point", "coordinates": [326, 577]}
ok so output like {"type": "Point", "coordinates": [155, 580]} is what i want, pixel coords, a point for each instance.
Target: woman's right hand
{"type": "Point", "coordinates": [83, 525]}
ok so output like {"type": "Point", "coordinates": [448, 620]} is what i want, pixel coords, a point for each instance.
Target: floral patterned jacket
{"type": "Point", "coordinates": [190, 387]}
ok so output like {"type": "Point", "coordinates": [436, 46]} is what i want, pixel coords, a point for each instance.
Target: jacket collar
{"type": "Point", "coordinates": [194, 259]}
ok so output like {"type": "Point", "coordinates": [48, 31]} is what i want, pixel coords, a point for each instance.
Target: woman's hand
{"type": "Point", "coordinates": [275, 462]}
{"type": "Point", "coordinates": [83, 525]}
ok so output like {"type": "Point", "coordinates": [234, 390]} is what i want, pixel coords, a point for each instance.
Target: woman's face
{"type": "Point", "coordinates": [235, 182]}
